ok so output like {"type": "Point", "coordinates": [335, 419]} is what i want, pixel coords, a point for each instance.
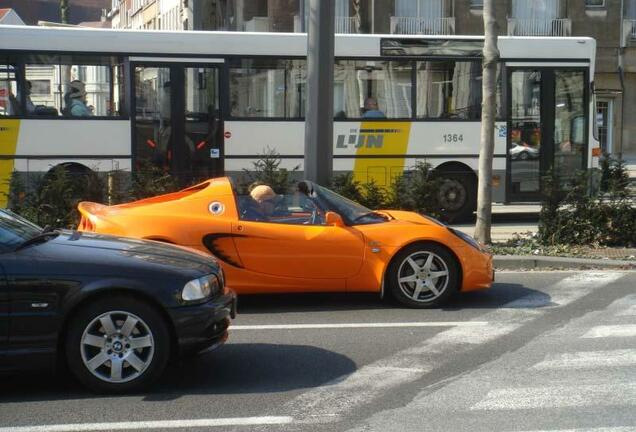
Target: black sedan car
{"type": "Point", "coordinates": [114, 309]}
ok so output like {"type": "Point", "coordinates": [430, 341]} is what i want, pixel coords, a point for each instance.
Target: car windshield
{"type": "Point", "coordinates": [15, 230]}
{"type": "Point", "coordinates": [352, 212]}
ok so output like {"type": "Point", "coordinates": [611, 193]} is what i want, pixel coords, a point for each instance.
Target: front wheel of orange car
{"type": "Point", "coordinates": [423, 276]}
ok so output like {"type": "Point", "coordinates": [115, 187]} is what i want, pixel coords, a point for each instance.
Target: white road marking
{"type": "Point", "coordinates": [589, 359]}
{"type": "Point", "coordinates": [604, 331]}
{"type": "Point", "coordinates": [559, 397]}
{"type": "Point", "coordinates": [599, 429]}
{"type": "Point", "coordinates": [631, 311]}
{"type": "Point", "coordinates": [330, 401]}
{"type": "Point", "coordinates": [360, 325]}
{"type": "Point", "coordinates": [154, 424]}
{"type": "Point", "coordinates": [630, 302]}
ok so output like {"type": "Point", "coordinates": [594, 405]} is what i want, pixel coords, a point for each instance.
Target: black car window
{"type": "Point", "coordinates": [14, 229]}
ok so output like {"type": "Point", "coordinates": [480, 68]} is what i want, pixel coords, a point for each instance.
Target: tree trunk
{"type": "Point", "coordinates": [487, 144]}
{"type": "Point", "coordinates": [64, 11]}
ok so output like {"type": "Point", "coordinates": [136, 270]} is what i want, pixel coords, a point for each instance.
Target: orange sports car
{"type": "Point", "coordinates": [311, 240]}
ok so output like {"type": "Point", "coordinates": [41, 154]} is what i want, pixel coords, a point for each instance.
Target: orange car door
{"type": "Point", "coordinates": [299, 251]}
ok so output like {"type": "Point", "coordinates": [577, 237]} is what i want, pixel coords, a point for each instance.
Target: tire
{"type": "Point", "coordinates": [423, 291]}
{"type": "Point", "coordinates": [457, 196]}
{"type": "Point", "coordinates": [95, 344]}
{"type": "Point", "coordinates": [524, 155]}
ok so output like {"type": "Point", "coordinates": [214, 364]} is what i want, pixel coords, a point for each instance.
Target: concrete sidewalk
{"type": "Point", "coordinates": [502, 231]}
{"type": "Point", "coordinates": [529, 262]}
{"type": "Point", "coordinates": [606, 258]}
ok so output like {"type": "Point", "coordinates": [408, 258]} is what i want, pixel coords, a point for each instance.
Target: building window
{"type": "Point", "coordinates": [604, 124]}
{"type": "Point", "coordinates": [535, 10]}
{"type": "Point", "coordinates": [420, 8]}
{"type": "Point", "coordinates": [267, 88]}
{"type": "Point", "coordinates": [476, 4]}
{"type": "Point", "coordinates": [592, 4]}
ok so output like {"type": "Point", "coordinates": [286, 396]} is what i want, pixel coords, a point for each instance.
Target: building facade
{"type": "Point", "coordinates": [611, 22]}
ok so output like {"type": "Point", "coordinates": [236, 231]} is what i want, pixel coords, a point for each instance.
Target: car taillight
{"type": "Point", "coordinates": [86, 225]}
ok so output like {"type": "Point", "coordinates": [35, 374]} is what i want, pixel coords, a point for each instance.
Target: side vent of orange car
{"type": "Point", "coordinates": [222, 247]}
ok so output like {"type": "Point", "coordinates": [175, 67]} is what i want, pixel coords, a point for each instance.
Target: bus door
{"type": "Point", "coordinates": [177, 123]}
{"type": "Point", "coordinates": [547, 128]}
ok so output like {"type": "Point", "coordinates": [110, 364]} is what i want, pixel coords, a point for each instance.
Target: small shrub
{"type": "Point", "coordinates": [373, 196]}
{"type": "Point", "coordinates": [417, 190]}
{"type": "Point", "coordinates": [150, 180]}
{"type": "Point", "coordinates": [345, 185]}
{"type": "Point", "coordinates": [267, 170]}
{"type": "Point", "coordinates": [580, 215]}
{"type": "Point", "coordinates": [52, 199]}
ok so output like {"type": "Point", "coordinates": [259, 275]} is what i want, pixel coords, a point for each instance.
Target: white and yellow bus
{"type": "Point", "coordinates": [203, 104]}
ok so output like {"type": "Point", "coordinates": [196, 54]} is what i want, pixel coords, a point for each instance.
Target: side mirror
{"type": "Point", "coordinates": [334, 219]}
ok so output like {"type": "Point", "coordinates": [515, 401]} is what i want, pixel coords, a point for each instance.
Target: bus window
{"type": "Point", "coordinates": [569, 122]}
{"type": "Point", "coordinates": [44, 72]}
{"type": "Point", "coordinates": [449, 90]}
{"type": "Point", "coordinates": [384, 86]}
{"type": "Point", "coordinates": [9, 97]}
{"type": "Point", "coordinates": [87, 86]}
{"type": "Point", "coordinates": [267, 88]}
{"type": "Point", "coordinates": [74, 86]}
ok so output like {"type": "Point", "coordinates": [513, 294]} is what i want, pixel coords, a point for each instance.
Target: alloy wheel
{"type": "Point", "coordinates": [117, 347]}
{"type": "Point", "coordinates": [423, 276]}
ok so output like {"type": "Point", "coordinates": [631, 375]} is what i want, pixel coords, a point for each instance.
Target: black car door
{"type": "Point", "coordinates": [36, 296]}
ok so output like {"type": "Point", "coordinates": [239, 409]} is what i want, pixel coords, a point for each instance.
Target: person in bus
{"type": "Point", "coordinates": [76, 100]}
{"type": "Point", "coordinates": [371, 109]}
{"type": "Point", "coordinates": [28, 103]}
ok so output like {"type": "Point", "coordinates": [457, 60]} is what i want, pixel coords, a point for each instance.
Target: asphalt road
{"type": "Point", "coordinates": [539, 351]}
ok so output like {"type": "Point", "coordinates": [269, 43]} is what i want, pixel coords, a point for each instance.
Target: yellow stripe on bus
{"type": "Point", "coordinates": [377, 139]}
{"type": "Point", "coordinates": [9, 131]}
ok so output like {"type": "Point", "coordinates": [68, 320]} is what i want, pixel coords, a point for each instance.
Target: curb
{"type": "Point", "coordinates": [523, 262]}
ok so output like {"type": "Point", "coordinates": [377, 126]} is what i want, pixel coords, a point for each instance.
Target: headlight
{"type": "Point", "coordinates": [468, 239]}
{"type": "Point", "coordinates": [202, 288]}
{"type": "Point", "coordinates": [221, 277]}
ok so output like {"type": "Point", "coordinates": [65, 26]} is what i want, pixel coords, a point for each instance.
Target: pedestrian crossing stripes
{"type": "Point", "coordinates": [367, 383]}
{"type": "Point", "coordinates": [559, 397]}
{"type": "Point", "coordinates": [605, 331]}
{"type": "Point", "coordinates": [589, 359]}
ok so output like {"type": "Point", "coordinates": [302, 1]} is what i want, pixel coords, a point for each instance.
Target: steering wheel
{"type": "Point", "coordinates": [313, 219]}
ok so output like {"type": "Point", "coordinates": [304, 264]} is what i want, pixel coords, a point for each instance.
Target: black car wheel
{"type": "Point", "coordinates": [524, 155]}
{"type": "Point", "coordinates": [117, 344]}
{"type": "Point", "coordinates": [423, 276]}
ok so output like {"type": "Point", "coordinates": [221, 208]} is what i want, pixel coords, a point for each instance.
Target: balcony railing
{"type": "Point", "coordinates": [423, 25]}
{"type": "Point", "coordinates": [539, 27]}
{"type": "Point", "coordinates": [343, 24]}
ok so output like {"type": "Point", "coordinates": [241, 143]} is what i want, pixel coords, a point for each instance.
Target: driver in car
{"type": "Point", "coordinates": [262, 205]}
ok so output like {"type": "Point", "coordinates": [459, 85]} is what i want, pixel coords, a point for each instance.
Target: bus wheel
{"type": "Point", "coordinates": [82, 182]}
{"type": "Point", "coordinates": [457, 196]}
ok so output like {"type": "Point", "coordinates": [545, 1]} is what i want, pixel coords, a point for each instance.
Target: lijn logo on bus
{"type": "Point", "coordinates": [369, 138]}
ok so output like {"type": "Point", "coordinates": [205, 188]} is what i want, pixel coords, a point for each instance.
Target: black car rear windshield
{"type": "Point", "coordinates": [14, 230]}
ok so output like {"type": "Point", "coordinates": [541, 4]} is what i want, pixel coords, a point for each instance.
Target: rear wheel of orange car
{"type": "Point", "coordinates": [423, 275]}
